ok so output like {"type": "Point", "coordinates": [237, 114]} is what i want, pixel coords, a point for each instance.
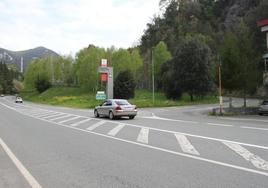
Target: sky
{"type": "Point", "coordinates": [66, 26]}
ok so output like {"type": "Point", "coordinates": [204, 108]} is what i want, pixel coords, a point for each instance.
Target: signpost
{"type": "Point", "coordinates": [100, 95]}
{"type": "Point", "coordinates": [106, 75]}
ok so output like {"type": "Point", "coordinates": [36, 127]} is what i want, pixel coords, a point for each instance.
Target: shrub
{"type": "Point", "coordinates": [42, 85]}
{"type": "Point", "coordinates": [124, 86]}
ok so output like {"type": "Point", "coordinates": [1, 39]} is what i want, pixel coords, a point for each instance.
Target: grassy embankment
{"type": "Point", "coordinates": [74, 97]}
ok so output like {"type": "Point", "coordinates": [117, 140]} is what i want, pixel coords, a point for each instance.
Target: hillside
{"type": "Point", "coordinates": [14, 57]}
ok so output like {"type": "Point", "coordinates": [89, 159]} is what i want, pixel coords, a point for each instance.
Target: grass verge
{"type": "Point", "coordinates": [76, 98]}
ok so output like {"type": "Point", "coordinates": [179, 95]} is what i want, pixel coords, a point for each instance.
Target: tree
{"type": "Point", "coordinates": [42, 84]}
{"type": "Point", "coordinates": [248, 61]}
{"type": "Point", "coordinates": [124, 85]}
{"type": "Point", "coordinates": [160, 56]}
{"type": "Point", "coordinates": [87, 63]}
{"type": "Point", "coordinates": [190, 69]}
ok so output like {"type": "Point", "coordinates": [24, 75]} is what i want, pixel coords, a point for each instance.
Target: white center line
{"type": "Point", "coordinates": [219, 124]}
{"type": "Point", "coordinates": [256, 128]}
{"type": "Point", "coordinates": [185, 144]}
{"type": "Point", "coordinates": [94, 126]}
{"type": "Point", "coordinates": [31, 180]}
{"type": "Point", "coordinates": [143, 135]}
{"type": "Point", "coordinates": [70, 119]}
{"type": "Point", "coordinates": [115, 130]}
{"type": "Point", "coordinates": [80, 122]}
{"type": "Point", "coordinates": [254, 159]}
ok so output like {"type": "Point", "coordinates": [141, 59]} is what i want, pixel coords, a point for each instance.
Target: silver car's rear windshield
{"type": "Point", "coordinates": [122, 102]}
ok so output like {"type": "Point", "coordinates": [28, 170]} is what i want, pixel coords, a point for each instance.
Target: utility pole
{"type": "Point", "coordinates": [152, 58]}
{"type": "Point", "coordinates": [220, 87]}
{"type": "Point", "coordinates": [21, 64]}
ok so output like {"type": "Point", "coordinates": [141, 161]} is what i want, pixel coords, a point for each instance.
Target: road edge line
{"type": "Point", "coordinates": [26, 174]}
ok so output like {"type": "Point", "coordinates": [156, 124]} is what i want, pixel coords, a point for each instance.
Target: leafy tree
{"type": "Point", "coordinates": [124, 85]}
{"type": "Point", "coordinates": [190, 69]}
{"type": "Point", "coordinates": [160, 56]}
{"type": "Point", "coordinates": [87, 63]}
{"type": "Point", "coordinates": [42, 84]}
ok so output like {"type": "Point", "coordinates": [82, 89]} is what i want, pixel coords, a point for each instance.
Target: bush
{"type": "Point", "coordinates": [42, 85]}
{"type": "Point", "coordinates": [124, 86]}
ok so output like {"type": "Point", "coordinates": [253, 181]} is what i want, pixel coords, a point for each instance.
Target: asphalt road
{"type": "Point", "coordinates": [46, 146]}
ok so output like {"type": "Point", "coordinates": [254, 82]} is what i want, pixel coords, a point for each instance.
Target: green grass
{"type": "Point", "coordinates": [74, 97]}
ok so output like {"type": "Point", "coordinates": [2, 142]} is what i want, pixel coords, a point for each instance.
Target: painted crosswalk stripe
{"type": "Point", "coordinates": [94, 126]}
{"type": "Point", "coordinates": [37, 113]}
{"type": "Point", "coordinates": [65, 116]}
{"type": "Point", "coordinates": [185, 144]}
{"type": "Point", "coordinates": [143, 136]}
{"type": "Point", "coordinates": [243, 152]}
{"type": "Point", "coordinates": [80, 122]}
{"type": "Point", "coordinates": [70, 119]}
{"type": "Point", "coordinates": [115, 130]}
{"type": "Point", "coordinates": [55, 115]}
{"type": "Point", "coordinates": [44, 114]}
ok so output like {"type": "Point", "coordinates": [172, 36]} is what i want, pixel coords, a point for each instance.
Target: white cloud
{"type": "Point", "coordinates": [67, 26]}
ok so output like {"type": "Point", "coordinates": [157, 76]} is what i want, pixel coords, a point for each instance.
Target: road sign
{"type": "Point", "coordinates": [104, 62]}
{"type": "Point", "coordinates": [100, 95]}
{"type": "Point", "coordinates": [103, 70]}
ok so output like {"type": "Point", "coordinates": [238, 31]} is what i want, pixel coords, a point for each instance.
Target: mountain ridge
{"type": "Point", "coordinates": [13, 58]}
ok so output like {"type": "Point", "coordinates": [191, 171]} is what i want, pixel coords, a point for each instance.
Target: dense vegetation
{"type": "Point", "coordinates": [9, 77]}
{"type": "Point", "coordinates": [181, 48]}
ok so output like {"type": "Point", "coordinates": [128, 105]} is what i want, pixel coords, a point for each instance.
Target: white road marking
{"type": "Point", "coordinates": [37, 113]}
{"type": "Point", "coordinates": [254, 159]}
{"type": "Point", "coordinates": [65, 116]}
{"type": "Point", "coordinates": [143, 136]}
{"type": "Point", "coordinates": [45, 114]}
{"type": "Point", "coordinates": [256, 128]}
{"type": "Point", "coordinates": [245, 119]}
{"type": "Point", "coordinates": [54, 115]}
{"type": "Point", "coordinates": [115, 130]}
{"type": "Point", "coordinates": [160, 149]}
{"type": "Point", "coordinates": [219, 124]}
{"type": "Point", "coordinates": [166, 119]}
{"type": "Point", "coordinates": [27, 175]}
{"type": "Point", "coordinates": [80, 122]}
{"type": "Point", "coordinates": [64, 121]}
{"type": "Point", "coordinates": [94, 126]}
{"type": "Point", "coordinates": [173, 132]}
{"type": "Point", "coordinates": [185, 145]}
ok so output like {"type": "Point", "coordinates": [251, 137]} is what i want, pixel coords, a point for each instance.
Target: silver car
{"type": "Point", "coordinates": [263, 109]}
{"type": "Point", "coordinates": [115, 108]}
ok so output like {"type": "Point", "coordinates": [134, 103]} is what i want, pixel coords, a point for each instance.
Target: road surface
{"type": "Point", "coordinates": [46, 146]}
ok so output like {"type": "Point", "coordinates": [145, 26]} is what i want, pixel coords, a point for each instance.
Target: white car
{"type": "Point", "coordinates": [18, 100]}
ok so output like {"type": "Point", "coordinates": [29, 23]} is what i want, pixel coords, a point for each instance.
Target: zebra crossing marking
{"type": "Point", "coordinates": [243, 152]}
{"type": "Point", "coordinates": [64, 121]}
{"type": "Point", "coordinates": [116, 130]}
{"type": "Point", "coordinates": [143, 136]}
{"type": "Point", "coordinates": [79, 122]}
{"type": "Point", "coordinates": [186, 145]}
{"type": "Point", "coordinates": [65, 116]}
{"type": "Point", "coordinates": [94, 126]}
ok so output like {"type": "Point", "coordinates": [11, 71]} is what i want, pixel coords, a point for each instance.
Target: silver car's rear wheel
{"type": "Point", "coordinates": [111, 115]}
{"type": "Point", "coordinates": [96, 114]}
